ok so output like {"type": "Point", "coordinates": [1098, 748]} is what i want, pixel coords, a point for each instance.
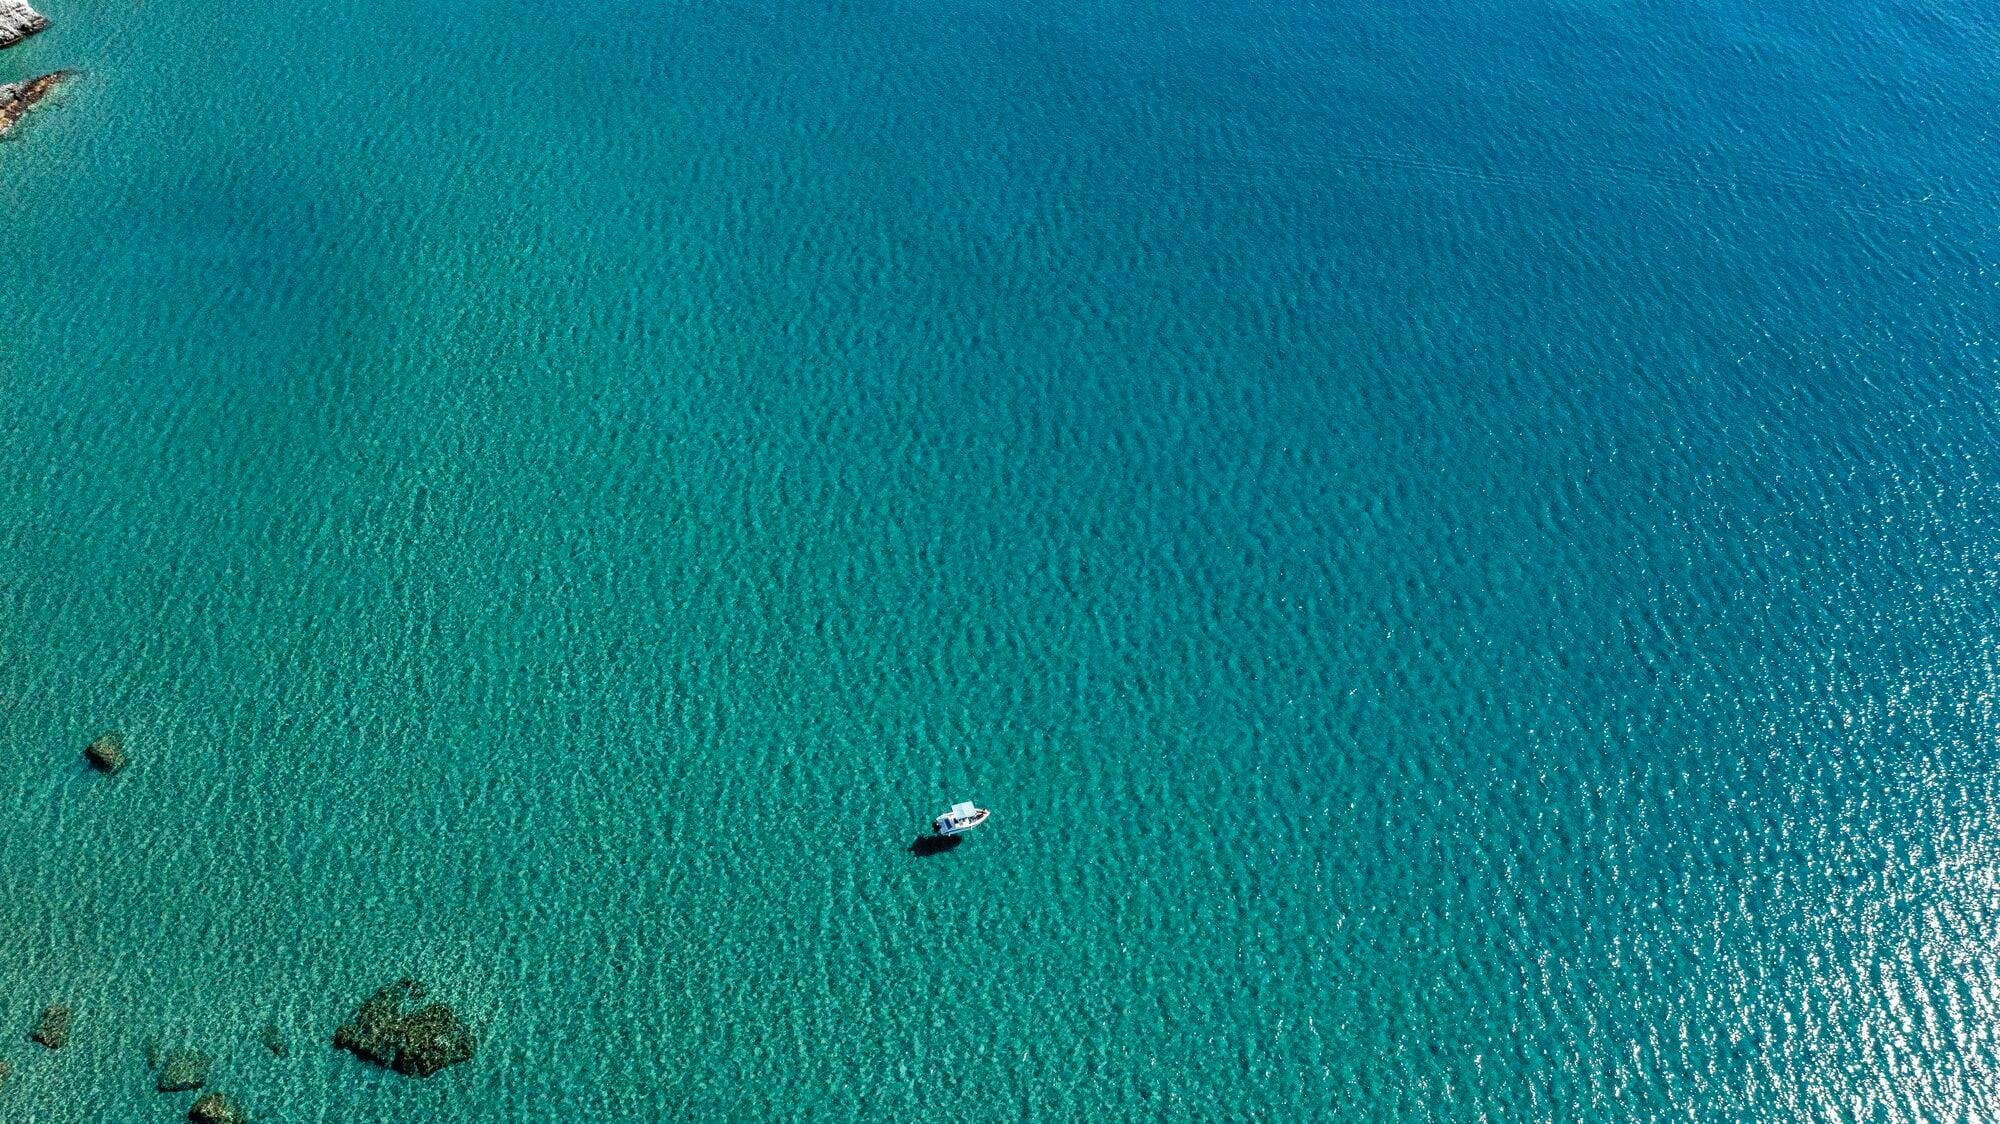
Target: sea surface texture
{"type": "Point", "coordinates": [1458, 541]}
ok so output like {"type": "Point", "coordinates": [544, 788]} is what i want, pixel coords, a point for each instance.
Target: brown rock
{"type": "Point", "coordinates": [52, 1029]}
{"type": "Point", "coordinates": [214, 1108]}
{"type": "Point", "coordinates": [106, 754]}
{"type": "Point", "coordinates": [418, 1044]}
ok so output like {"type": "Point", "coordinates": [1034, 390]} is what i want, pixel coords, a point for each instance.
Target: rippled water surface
{"type": "Point", "coordinates": [1457, 542]}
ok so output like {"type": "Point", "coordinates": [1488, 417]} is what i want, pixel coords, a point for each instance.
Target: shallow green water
{"type": "Point", "coordinates": [1456, 544]}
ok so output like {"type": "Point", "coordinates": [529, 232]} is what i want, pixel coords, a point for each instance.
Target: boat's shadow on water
{"type": "Point", "coordinates": [928, 845]}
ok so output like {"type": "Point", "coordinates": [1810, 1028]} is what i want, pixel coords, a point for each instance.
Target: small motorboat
{"type": "Point", "coordinates": [961, 818]}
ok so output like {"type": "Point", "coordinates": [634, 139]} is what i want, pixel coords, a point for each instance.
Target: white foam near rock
{"type": "Point", "coordinates": [18, 21]}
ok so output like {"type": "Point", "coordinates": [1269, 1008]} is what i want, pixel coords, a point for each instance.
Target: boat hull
{"type": "Point", "coordinates": [944, 825]}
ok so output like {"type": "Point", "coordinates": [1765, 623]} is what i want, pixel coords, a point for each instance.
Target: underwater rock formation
{"type": "Point", "coordinates": [182, 1070]}
{"type": "Point", "coordinates": [107, 753]}
{"type": "Point", "coordinates": [418, 1043]}
{"type": "Point", "coordinates": [274, 1041]}
{"type": "Point", "coordinates": [433, 1038]}
{"type": "Point", "coordinates": [52, 1029]}
{"type": "Point", "coordinates": [18, 21]}
{"type": "Point", "coordinates": [214, 1108]}
{"type": "Point", "coordinates": [376, 1027]}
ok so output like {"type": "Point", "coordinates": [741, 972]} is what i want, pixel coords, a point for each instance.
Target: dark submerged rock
{"type": "Point", "coordinates": [106, 754]}
{"type": "Point", "coordinates": [433, 1038]}
{"type": "Point", "coordinates": [376, 1027]}
{"type": "Point", "coordinates": [214, 1108]}
{"type": "Point", "coordinates": [274, 1041]}
{"type": "Point", "coordinates": [418, 1043]}
{"type": "Point", "coordinates": [52, 1029]}
{"type": "Point", "coordinates": [182, 1070]}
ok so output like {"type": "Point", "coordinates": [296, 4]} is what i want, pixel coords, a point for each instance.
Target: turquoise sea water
{"type": "Point", "coordinates": [1457, 541]}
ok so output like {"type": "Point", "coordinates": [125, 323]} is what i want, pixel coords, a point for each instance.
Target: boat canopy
{"type": "Point", "coordinates": [963, 811]}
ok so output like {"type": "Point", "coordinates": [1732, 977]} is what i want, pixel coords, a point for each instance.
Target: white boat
{"type": "Point", "coordinates": [961, 818]}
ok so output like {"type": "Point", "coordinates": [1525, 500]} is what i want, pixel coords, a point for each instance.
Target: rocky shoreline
{"type": "Point", "coordinates": [17, 98]}
{"type": "Point", "coordinates": [18, 21]}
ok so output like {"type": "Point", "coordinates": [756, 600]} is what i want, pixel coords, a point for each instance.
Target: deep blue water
{"type": "Point", "coordinates": [1456, 541]}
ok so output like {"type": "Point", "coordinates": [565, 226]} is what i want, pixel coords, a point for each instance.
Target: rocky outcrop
{"type": "Point", "coordinates": [214, 1108]}
{"type": "Point", "coordinates": [52, 1029]}
{"type": "Point", "coordinates": [376, 1027]}
{"type": "Point", "coordinates": [433, 1038]}
{"type": "Point", "coordinates": [107, 753]}
{"type": "Point", "coordinates": [18, 21]}
{"type": "Point", "coordinates": [274, 1041]}
{"type": "Point", "coordinates": [182, 1071]}
{"type": "Point", "coordinates": [418, 1043]}
{"type": "Point", "coordinates": [17, 98]}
